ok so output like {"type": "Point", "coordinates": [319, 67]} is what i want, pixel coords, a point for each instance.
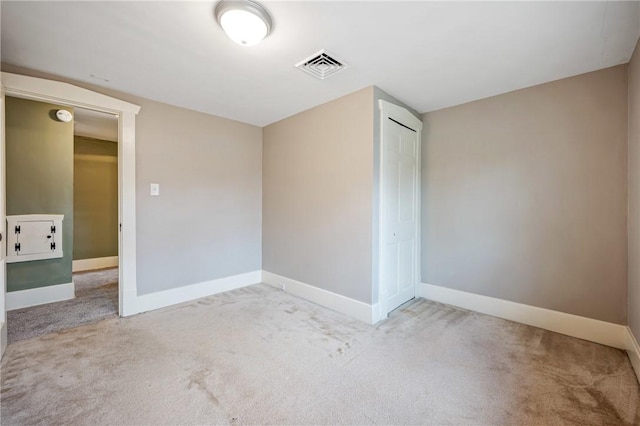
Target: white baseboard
{"type": "Point", "coordinates": [161, 299]}
{"type": "Point", "coordinates": [602, 332]}
{"type": "Point", "coordinates": [376, 313]}
{"type": "Point", "coordinates": [95, 263]}
{"type": "Point", "coordinates": [39, 296]}
{"type": "Point", "coordinates": [351, 307]}
{"type": "Point", "coordinates": [633, 350]}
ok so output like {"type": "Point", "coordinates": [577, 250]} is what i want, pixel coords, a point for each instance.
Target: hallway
{"type": "Point", "coordinates": [96, 299]}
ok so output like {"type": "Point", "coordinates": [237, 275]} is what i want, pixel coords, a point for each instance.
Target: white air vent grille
{"type": "Point", "coordinates": [321, 65]}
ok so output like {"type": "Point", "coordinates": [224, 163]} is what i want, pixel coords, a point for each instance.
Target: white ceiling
{"type": "Point", "coordinates": [429, 55]}
{"type": "Point", "coordinates": [95, 124]}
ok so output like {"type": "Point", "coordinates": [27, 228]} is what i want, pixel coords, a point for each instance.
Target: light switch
{"type": "Point", "coordinates": [155, 189]}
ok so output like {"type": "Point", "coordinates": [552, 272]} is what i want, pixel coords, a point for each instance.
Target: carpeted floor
{"type": "Point", "coordinates": [96, 299]}
{"type": "Point", "coordinates": [258, 355]}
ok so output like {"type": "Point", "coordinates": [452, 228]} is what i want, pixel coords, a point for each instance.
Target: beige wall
{"type": "Point", "coordinates": [524, 196]}
{"type": "Point", "coordinates": [206, 223]}
{"type": "Point", "coordinates": [634, 194]}
{"type": "Point", "coordinates": [317, 196]}
{"type": "Point", "coordinates": [95, 198]}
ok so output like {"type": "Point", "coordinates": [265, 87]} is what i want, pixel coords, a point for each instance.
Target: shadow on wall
{"type": "Point", "coordinates": [95, 198]}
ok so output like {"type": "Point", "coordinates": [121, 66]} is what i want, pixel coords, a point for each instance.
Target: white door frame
{"type": "Point", "coordinates": [403, 116]}
{"type": "Point", "coordinates": [3, 225]}
{"type": "Point", "coordinates": [39, 89]}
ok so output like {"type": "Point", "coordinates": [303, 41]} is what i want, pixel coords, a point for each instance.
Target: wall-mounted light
{"type": "Point", "coordinates": [245, 22]}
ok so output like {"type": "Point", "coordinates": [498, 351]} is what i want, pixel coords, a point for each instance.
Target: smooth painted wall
{"type": "Point", "coordinates": [634, 194]}
{"type": "Point", "coordinates": [39, 167]}
{"type": "Point", "coordinates": [206, 223]}
{"type": "Point", "coordinates": [95, 198]}
{"type": "Point", "coordinates": [524, 196]}
{"type": "Point", "coordinates": [317, 196]}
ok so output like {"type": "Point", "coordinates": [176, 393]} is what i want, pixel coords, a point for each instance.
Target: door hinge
{"type": "Point", "coordinates": [120, 227]}
{"type": "Point", "coordinates": [17, 247]}
{"type": "Point", "coordinates": [53, 246]}
{"type": "Point", "coordinates": [17, 229]}
{"type": "Point", "coordinates": [53, 229]}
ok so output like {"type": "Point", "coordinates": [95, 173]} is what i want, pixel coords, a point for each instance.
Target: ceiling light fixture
{"type": "Point", "coordinates": [245, 22]}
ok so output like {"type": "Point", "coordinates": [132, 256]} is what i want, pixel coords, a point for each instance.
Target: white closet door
{"type": "Point", "coordinates": [399, 239]}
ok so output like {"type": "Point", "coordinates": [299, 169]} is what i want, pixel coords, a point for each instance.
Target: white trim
{"type": "Point", "coordinates": [57, 92]}
{"type": "Point", "coordinates": [67, 94]}
{"type": "Point", "coordinates": [376, 313]}
{"type": "Point", "coordinates": [34, 218]}
{"type": "Point", "coordinates": [127, 274]}
{"type": "Point", "coordinates": [95, 263]}
{"type": "Point", "coordinates": [350, 307]}
{"type": "Point", "coordinates": [3, 223]}
{"type": "Point", "coordinates": [633, 351]}
{"type": "Point", "coordinates": [40, 296]}
{"type": "Point", "coordinates": [602, 332]}
{"type": "Point", "coordinates": [161, 299]}
{"type": "Point", "coordinates": [400, 115]}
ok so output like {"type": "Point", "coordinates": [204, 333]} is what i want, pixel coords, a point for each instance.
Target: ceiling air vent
{"type": "Point", "coordinates": [321, 65]}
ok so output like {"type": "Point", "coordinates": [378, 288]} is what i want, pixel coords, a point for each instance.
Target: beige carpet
{"type": "Point", "coordinates": [96, 299]}
{"type": "Point", "coordinates": [260, 356]}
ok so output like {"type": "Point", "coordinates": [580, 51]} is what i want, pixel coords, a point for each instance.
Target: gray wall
{"type": "Point", "coordinates": [206, 223]}
{"type": "Point", "coordinates": [95, 198]}
{"type": "Point", "coordinates": [317, 196]}
{"type": "Point", "coordinates": [634, 194]}
{"type": "Point", "coordinates": [524, 196]}
{"type": "Point", "coordinates": [39, 158]}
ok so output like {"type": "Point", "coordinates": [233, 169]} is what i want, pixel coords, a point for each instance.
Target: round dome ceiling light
{"type": "Point", "coordinates": [245, 22]}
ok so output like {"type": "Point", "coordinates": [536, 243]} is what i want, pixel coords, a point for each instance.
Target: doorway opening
{"type": "Point", "coordinates": [87, 198]}
{"type": "Point", "coordinates": [60, 93]}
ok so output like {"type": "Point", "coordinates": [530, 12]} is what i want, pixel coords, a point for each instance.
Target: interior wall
{"type": "Point", "coordinates": [95, 198]}
{"type": "Point", "coordinates": [317, 196]}
{"type": "Point", "coordinates": [206, 223]}
{"type": "Point", "coordinates": [39, 171]}
{"type": "Point", "coordinates": [524, 196]}
{"type": "Point", "coordinates": [634, 194]}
